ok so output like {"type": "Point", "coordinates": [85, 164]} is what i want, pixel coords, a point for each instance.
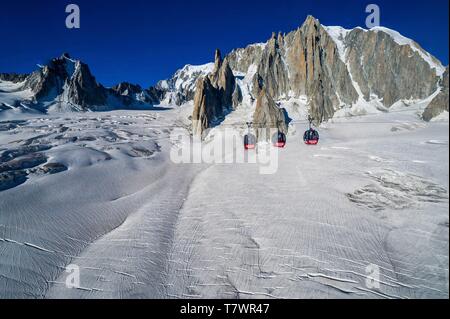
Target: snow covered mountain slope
{"type": "Point", "coordinates": [180, 88]}
{"type": "Point", "coordinates": [305, 233]}
{"type": "Point", "coordinates": [155, 229]}
{"type": "Point", "coordinates": [81, 176]}
{"type": "Point", "coordinates": [12, 94]}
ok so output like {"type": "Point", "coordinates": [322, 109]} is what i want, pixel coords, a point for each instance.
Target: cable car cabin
{"type": "Point", "coordinates": [311, 137]}
{"type": "Point", "coordinates": [279, 139]}
{"type": "Point", "coordinates": [249, 141]}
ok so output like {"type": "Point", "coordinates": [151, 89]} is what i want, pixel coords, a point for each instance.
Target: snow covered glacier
{"type": "Point", "coordinates": [374, 193]}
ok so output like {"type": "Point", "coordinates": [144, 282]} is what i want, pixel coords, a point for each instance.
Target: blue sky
{"type": "Point", "coordinates": [142, 41]}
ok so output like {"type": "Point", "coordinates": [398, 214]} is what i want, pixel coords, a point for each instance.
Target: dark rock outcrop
{"type": "Point", "coordinates": [134, 94]}
{"type": "Point", "coordinates": [13, 77]}
{"type": "Point", "coordinates": [12, 179]}
{"type": "Point", "coordinates": [156, 94]}
{"type": "Point", "coordinates": [51, 168]}
{"type": "Point", "coordinates": [83, 89]}
{"type": "Point", "coordinates": [127, 89]}
{"type": "Point", "coordinates": [67, 82]}
{"type": "Point", "coordinates": [48, 81]}
{"type": "Point", "coordinates": [440, 103]}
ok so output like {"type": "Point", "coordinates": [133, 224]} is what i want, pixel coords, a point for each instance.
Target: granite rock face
{"type": "Point", "coordinates": [215, 95]}
{"type": "Point", "coordinates": [49, 79]}
{"type": "Point", "coordinates": [223, 79]}
{"type": "Point", "coordinates": [83, 89]}
{"type": "Point", "coordinates": [268, 117]}
{"type": "Point", "coordinates": [305, 62]}
{"type": "Point", "coordinates": [317, 70]}
{"type": "Point", "coordinates": [272, 71]}
{"type": "Point", "coordinates": [440, 103]}
{"type": "Point", "coordinates": [207, 106]}
{"type": "Point", "coordinates": [390, 71]}
{"type": "Point", "coordinates": [67, 82]}
{"type": "Point", "coordinates": [334, 68]}
{"type": "Point", "coordinates": [242, 59]}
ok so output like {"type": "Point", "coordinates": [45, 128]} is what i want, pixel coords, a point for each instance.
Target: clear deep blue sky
{"type": "Point", "coordinates": [143, 41]}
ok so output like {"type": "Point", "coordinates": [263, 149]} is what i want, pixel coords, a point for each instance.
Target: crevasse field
{"type": "Point", "coordinates": [99, 190]}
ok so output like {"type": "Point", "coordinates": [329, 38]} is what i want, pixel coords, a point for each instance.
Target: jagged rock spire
{"type": "Point", "coordinates": [214, 95]}
{"type": "Point", "coordinates": [217, 60]}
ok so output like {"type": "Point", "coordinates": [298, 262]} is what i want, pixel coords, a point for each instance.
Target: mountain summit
{"type": "Point", "coordinates": [66, 84]}
{"type": "Point", "coordinates": [335, 70]}
{"type": "Point", "coordinates": [214, 95]}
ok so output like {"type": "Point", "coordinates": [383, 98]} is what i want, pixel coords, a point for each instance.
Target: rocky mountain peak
{"type": "Point", "coordinates": [217, 60]}
{"type": "Point", "coordinates": [275, 42]}
{"type": "Point", "coordinates": [331, 67]}
{"type": "Point", "coordinates": [84, 90]}
{"type": "Point", "coordinates": [214, 95]}
{"type": "Point", "coordinates": [311, 22]}
{"type": "Point", "coordinates": [336, 68]}
{"type": "Point", "coordinates": [280, 39]}
{"type": "Point", "coordinates": [65, 84]}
